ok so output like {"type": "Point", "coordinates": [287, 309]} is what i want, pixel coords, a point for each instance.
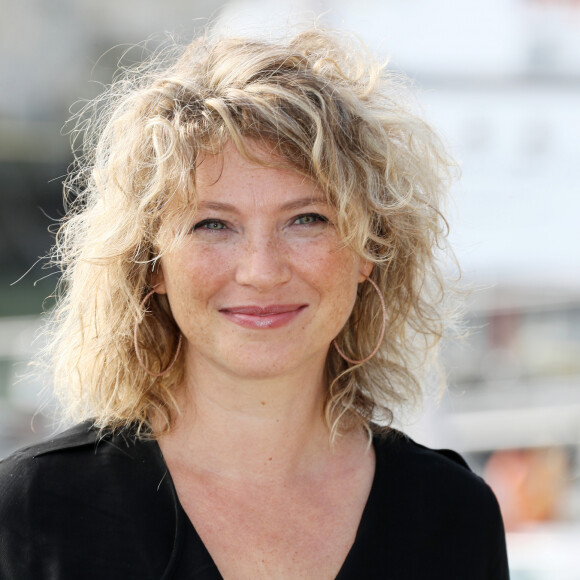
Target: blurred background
{"type": "Point", "coordinates": [501, 81]}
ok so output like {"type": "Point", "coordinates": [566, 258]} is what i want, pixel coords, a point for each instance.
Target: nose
{"type": "Point", "coordinates": [263, 263]}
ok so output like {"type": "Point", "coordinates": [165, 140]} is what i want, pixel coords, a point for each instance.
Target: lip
{"type": "Point", "coordinates": [263, 317]}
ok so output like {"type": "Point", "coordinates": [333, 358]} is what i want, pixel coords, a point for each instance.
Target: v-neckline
{"type": "Point", "coordinates": [186, 530]}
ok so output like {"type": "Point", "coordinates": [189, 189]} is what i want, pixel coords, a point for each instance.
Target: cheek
{"type": "Point", "coordinates": [335, 273]}
{"type": "Point", "coordinates": [195, 273]}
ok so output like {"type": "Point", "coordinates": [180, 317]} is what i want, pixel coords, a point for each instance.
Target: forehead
{"type": "Point", "coordinates": [230, 176]}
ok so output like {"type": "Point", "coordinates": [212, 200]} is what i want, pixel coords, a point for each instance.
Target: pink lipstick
{"type": "Point", "coordinates": [263, 317]}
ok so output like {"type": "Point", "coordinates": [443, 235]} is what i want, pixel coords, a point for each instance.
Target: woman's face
{"type": "Point", "coordinates": [261, 285]}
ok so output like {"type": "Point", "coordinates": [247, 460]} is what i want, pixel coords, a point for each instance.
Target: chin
{"type": "Point", "coordinates": [269, 366]}
{"type": "Point", "coordinates": [269, 370]}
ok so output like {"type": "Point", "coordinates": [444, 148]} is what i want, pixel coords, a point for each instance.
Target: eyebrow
{"type": "Point", "coordinates": [294, 204]}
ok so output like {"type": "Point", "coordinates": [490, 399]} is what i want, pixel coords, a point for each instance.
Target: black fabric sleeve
{"type": "Point", "coordinates": [86, 508]}
{"type": "Point", "coordinates": [498, 565]}
{"type": "Point", "coordinates": [20, 555]}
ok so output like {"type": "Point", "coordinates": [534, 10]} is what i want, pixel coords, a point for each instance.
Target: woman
{"type": "Point", "coordinates": [250, 290]}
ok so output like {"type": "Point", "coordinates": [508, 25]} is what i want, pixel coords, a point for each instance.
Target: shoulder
{"type": "Point", "coordinates": [428, 516]}
{"type": "Point", "coordinates": [439, 480]}
{"type": "Point", "coordinates": [77, 436]}
{"type": "Point", "coordinates": [442, 471]}
{"type": "Point", "coordinates": [84, 461]}
{"type": "Point", "coordinates": [438, 506]}
{"type": "Point", "coordinates": [82, 494]}
{"type": "Point", "coordinates": [22, 469]}
{"type": "Point", "coordinates": [78, 456]}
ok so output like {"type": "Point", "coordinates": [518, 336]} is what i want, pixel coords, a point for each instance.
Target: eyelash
{"type": "Point", "coordinates": [316, 218]}
{"type": "Point", "coordinates": [204, 223]}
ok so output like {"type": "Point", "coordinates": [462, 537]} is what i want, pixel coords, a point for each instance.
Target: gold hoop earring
{"type": "Point", "coordinates": [381, 336]}
{"type": "Point", "coordinates": [136, 346]}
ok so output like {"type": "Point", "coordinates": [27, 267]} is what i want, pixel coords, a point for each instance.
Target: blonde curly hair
{"type": "Point", "coordinates": [323, 105]}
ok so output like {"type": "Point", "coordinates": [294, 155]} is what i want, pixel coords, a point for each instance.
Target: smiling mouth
{"type": "Point", "coordinates": [263, 317]}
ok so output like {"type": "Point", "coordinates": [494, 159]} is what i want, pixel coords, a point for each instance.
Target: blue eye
{"type": "Point", "coordinates": [310, 218]}
{"type": "Point", "coordinates": [212, 225]}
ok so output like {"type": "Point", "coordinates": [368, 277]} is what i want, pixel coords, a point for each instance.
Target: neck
{"type": "Point", "coordinates": [271, 428]}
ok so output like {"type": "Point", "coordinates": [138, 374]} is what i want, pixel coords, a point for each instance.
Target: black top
{"type": "Point", "coordinates": [87, 507]}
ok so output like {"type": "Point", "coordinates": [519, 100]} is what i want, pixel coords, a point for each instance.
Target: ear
{"type": "Point", "coordinates": [158, 279]}
{"type": "Point", "coordinates": [366, 267]}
